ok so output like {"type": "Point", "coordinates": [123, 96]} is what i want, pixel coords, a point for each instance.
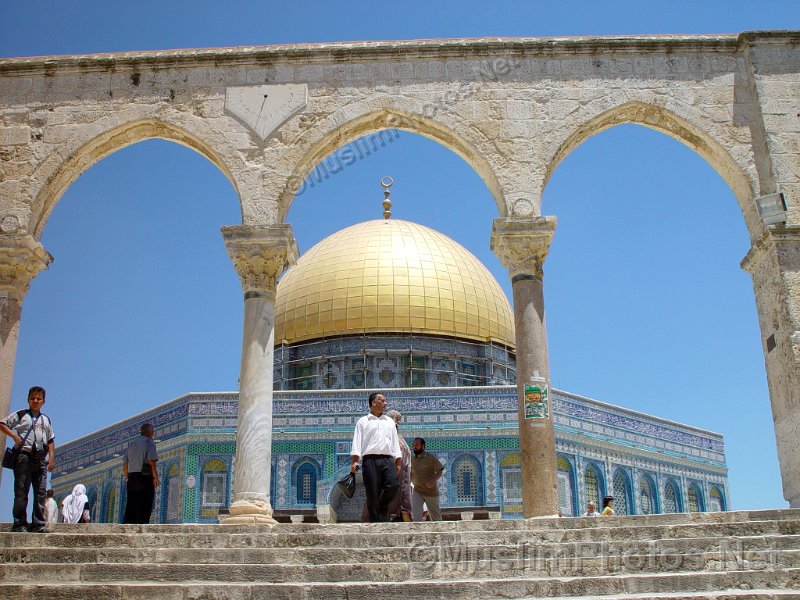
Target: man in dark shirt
{"type": "Point", "coordinates": [140, 471]}
{"type": "Point", "coordinates": [425, 472]}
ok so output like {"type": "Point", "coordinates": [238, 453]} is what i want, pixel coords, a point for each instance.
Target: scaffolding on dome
{"type": "Point", "coordinates": [311, 366]}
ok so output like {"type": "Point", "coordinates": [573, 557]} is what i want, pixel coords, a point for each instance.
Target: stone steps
{"type": "Point", "coordinates": [741, 584]}
{"type": "Point", "coordinates": [612, 550]}
{"type": "Point", "coordinates": [395, 534]}
{"type": "Point", "coordinates": [752, 554]}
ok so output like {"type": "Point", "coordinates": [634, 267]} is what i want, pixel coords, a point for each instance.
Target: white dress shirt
{"type": "Point", "coordinates": [376, 435]}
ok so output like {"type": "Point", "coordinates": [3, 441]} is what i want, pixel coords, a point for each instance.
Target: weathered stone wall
{"type": "Point", "coordinates": [512, 108]}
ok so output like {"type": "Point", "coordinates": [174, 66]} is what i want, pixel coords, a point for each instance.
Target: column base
{"type": "Point", "coordinates": [245, 512]}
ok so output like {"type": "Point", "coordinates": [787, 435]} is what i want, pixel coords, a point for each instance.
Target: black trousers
{"type": "Point", "coordinates": [30, 469]}
{"type": "Point", "coordinates": [139, 506]}
{"type": "Point", "coordinates": [380, 483]}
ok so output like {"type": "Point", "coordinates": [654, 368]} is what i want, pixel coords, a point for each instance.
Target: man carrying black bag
{"type": "Point", "coordinates": [34, 444]}
{"type": "Point", "coordinates": [376, 444]}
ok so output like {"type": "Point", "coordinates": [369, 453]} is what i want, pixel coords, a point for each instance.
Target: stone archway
{"type": "Point", "coordinates": [511, 107]}
{"type": "Point", "coordinates": [65, 165]}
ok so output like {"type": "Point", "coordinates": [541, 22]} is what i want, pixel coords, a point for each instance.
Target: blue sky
{"type": "Point", "coordinates": [647, 307]}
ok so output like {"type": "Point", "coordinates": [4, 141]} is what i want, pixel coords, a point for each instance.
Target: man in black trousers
{"type": "Point", "coordinates": [140, 471]}
{"type": "Point", "coordinates": [376, 443]}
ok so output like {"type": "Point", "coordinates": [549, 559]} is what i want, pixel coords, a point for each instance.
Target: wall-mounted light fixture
{"type": "Point", "coordinates": [772, 208]}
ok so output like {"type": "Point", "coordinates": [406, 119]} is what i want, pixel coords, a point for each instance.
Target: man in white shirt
{"type": "Point", "coordinates": [377, 444]}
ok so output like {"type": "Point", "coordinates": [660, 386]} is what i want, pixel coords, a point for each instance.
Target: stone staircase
{"type": "Point", "coordinates": [749, 554]}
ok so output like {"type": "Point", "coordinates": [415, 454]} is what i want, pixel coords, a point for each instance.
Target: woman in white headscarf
{"type": "Point", "coordinates": [75, 504]}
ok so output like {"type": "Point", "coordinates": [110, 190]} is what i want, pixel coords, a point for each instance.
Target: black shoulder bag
{"type": "Point", "coordinates": [10, 456]}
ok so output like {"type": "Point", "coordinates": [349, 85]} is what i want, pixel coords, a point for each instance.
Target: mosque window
{"type": "Point", "coordinates": [512, 486]}
{"type": "Point", "coordinates": [591, 485]}
{"type": "Point", "coordinates": [565, 493]}
{"type": "Point", "coordinates": [622, 493]}
{"type": "Point", "coordinates": [694, 498]}
{"type": "Point", "coordinates": [306, 484]}
{"type": "Point", "coordinates": [301, 377]}
{"type": "Point", "coordinates": [715, 500]}
{"type": "Point", "coordinates": [173, 490]}
{"type": "Point", "coordinates": [467, 481]}
{"type": "Point", "coordinates": [647, 496]}
{"type": "Point", "coordinates": [91, 494]}
{"type": "Point", "coordinates": [468, 374]}
{"type": "Point", "coordinates": [415, 371]}
{"type": "Point", "coordinates": [110, 512]}
{"type": "Point", "coordinates": [214, 483]}
{"type": "Point", "coordinates": [671, 498]}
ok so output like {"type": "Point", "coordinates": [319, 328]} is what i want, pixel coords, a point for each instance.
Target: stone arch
{"type": "Point", "coordinates": [302, 468]}
{"type": "Point", "coordinates": [622, 492]}
{"type": "Point", "coordinates": [648, 495]}
{"type": "Point", "coordinates": [691, 130]}
{"type": "Point", "coordinates": [58, 173]}
{"type": "Point", "coordinates": [339, 132]}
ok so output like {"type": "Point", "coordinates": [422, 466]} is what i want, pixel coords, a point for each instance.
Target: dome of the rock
{"type": "Point", "coordinates": [391, 276]}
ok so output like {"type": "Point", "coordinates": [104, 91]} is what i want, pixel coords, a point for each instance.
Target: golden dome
{"type": "Point", "coordinates": [391, 277]}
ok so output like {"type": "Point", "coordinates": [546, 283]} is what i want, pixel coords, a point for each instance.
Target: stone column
{"type": "Point", "coordinates": [521, 244]}
{"type": "Point", "coordinates": [774, 263]}
{"type": "Point", "coordinates": [21, 259]}
{"type": "Point", "coordinates": [260, 255]}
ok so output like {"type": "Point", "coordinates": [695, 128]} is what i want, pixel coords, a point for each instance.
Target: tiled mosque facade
{"type": "Point", "coordinates": [650, 465]}
{"type": "Point", "coordinates": [394, 306]}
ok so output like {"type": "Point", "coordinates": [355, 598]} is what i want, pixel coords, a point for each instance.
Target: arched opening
{"type": "Point", "coordinates": [695, 502]}
{"type": "Point", "coordinates": [306, 475]}
{"type": "Point", "coordinates": [110, 504]}
{"type": "Point", "coordinates": [466, 481]}
{"type": "Point", "coordinates": [673, 502]}
{"type": "Point", "coordinates": [350, 143]}
{"type": "Point", "coordinates": [142, 300]}
{"type": "Point", "coordinates": [213, 487]}
{"type": "Point", "coordinates": [594, 486]}
{"type": "Point", "coordinates": [94, 506]}
{"type": "Point", "coordinates": [716, 500]}
{"type": "Point", "coordinates": [648, 496]}
{"type": "Point", "coordinates": [643, 289]}
{"type": "Point", "coordinates": [567, 500]}
{"type": "Point", "coordinates": [171, 494]}
{"type": "Point", "coordinates": [623, 498]}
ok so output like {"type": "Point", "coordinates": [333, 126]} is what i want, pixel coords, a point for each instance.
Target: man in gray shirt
{"type": "Point", "coordinates": [140, 472]}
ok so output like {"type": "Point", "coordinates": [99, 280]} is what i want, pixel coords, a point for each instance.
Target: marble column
{"type": "Point", "coordinates": [522, 244]}
{"type": "Point", "coordinates": [774, 263]}
{"type": "Point", "coordinates": [260, 255]}
{"type": "Point", "coordinates": [21, 259]}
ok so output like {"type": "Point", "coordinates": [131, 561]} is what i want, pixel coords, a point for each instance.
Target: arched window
{"type": "Point", "coordinates": [647, 496]}
{"type": "Point", "coordinates": [593, 485]}
{"type": "Point", "coordinates": [110, 504]}
{"type": "Point", "coordinates": [91, 494]}
{"type": "Point", "coordinates": [694, 497]}
{"type": "Point", "coordinates": [672, 499]}
{"type": "Point", "coordinates": [214, 484]}
{"type": "Point", "coordinates": [622, 493]}
{"type": "Point", "coordinates": [716, 501]}
{"type": "Point", "coordinates": [564, 475]}
{"type": "Point", "coordinates": [306, 484]}
{"type": "Point", "coordinates": [466, 481]}
{"type": "Point", "coordinates": [172, 490]}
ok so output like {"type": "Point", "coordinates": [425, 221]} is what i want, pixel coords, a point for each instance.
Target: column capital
{"type": "Point", "coordinates": [522, 243]}
{"type": "Point", "coordinates": [784, 239]}
{"type": "Point", "coordinates": [260, 254]}
{"type": "Point", "coordinates": [21, 259]}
